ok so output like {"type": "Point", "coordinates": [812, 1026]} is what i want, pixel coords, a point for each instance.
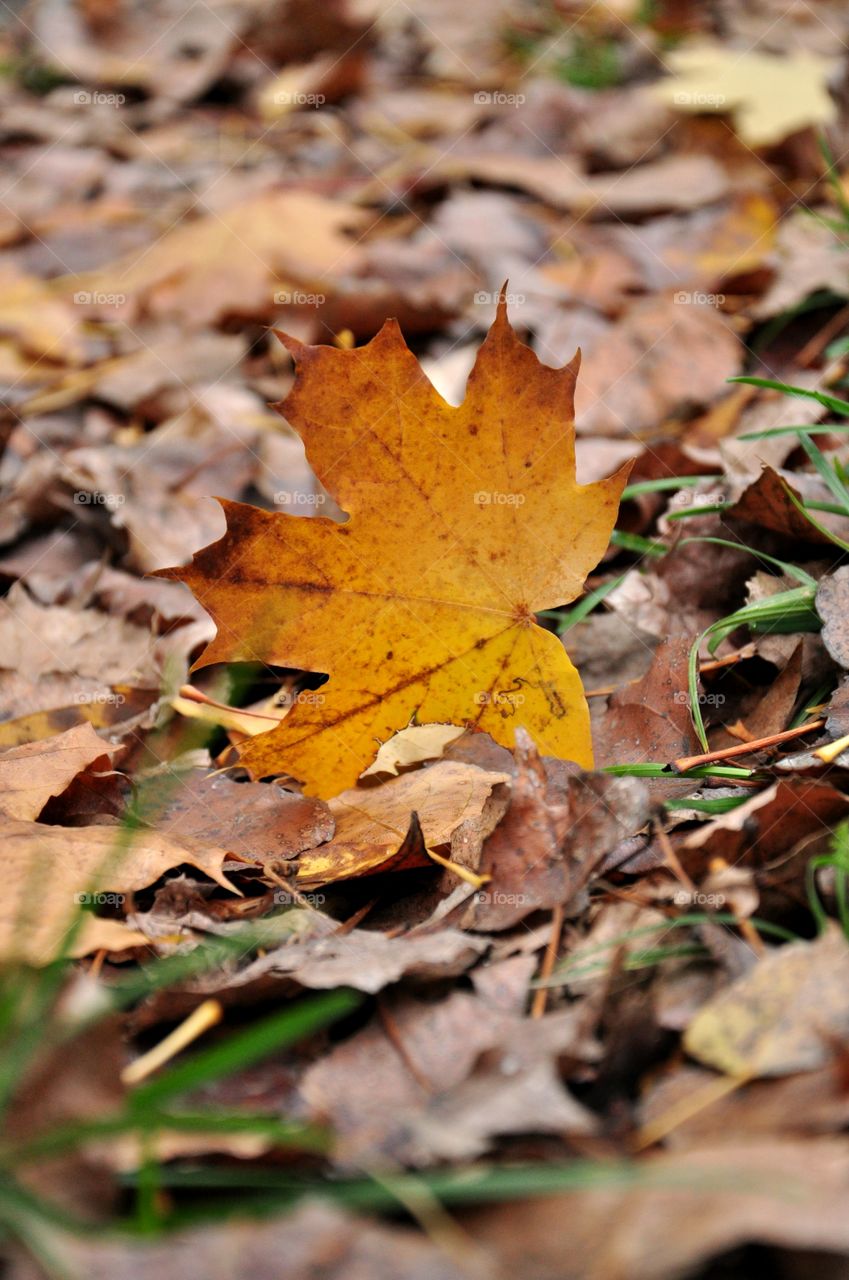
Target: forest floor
{"type": "Point", "coordinates": [486, 1012]}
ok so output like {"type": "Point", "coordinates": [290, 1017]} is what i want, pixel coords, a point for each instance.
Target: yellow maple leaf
{"type": "Point", "coordinates": [770, 95]}
{"type": "Point", "coordinates": [462, 522]}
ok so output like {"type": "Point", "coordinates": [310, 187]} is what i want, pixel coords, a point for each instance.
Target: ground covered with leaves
{"type": "Point", "coordinates": [341, 933]}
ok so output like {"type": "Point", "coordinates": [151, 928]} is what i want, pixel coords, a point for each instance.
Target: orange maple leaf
{"type": "Point", "coordinates": [462, 522]}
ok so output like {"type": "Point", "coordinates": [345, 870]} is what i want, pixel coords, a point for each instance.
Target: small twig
{"type": "Point", "coordinates": [191, 694]}
{"type": "Point", "coordinates": [547, 967]}
{"type": "Point", "coordinates": [690, 1106]}
{"type": "Point", "coordinates": [744, 748]}
{"type": "Point", "coordinates": [671, 857]}
{"type": "Point", "coordinates": [814, 346]}
{"type": "Point", "coordinates": [393, 1035]}
{"type": "Point", "coordinates": [206, 1015]}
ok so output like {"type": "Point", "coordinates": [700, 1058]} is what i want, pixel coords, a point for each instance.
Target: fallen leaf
{"type": "Point", "coordinates": [314, 1238]}
{"type": "Point", "coordinates": [675, 182]}
{"type": "Point", "coordinates": [423, 602]}
{"type": "Point", "coordinates": [766, 502]}
{"type": "Point", "coordinates": [832, 604]}
{"type": "Point", "coordinates": [558, 828]}
{"type": "Point", "coordinates": [636, 373]}
{"type": "Point", "coordinates": [794, 814]}
{"type": "Point", "coordinates": [770, 96]}
{"type": "Point", "coordinates": [256, 821]}
{"type": "Point", "coordinates": [372, 822]}
{"type": "Point", "coordinates": [676, 1211]}
{"type": "Point", "coordinates": [52, 871]}
{"type": "Point", "coordinates": [650, 719]}
{"type": "Point", "coordinates": [31, 774]}
{"type": "Point", "coordinates": [413, 745]}
{"type": "Point", "coordinates": [231, 263]}
{"type": "Point", "coordinates": [789, 1013]}
{"type": "Point", "coordinates": [366, 960]}
{"type": "Point", "coordinates": [428, 1099]}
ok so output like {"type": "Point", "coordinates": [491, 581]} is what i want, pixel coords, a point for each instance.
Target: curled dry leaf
{"type": "Point", "coordinates": [31, 774]}
{"type": "Point", "coordinates": [372, 822]}
{"type": "Point", "coordinates": [423, 601]}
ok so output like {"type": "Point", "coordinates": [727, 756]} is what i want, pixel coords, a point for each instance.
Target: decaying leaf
{"type": "Point", "coordinates": [770, 96]}
{"type": "Point", "coordinates": [462, 523]}
{"type": "Point", "coordinates": [787, 1014]}
{"type": "Point", "coordinates": [555, 833]}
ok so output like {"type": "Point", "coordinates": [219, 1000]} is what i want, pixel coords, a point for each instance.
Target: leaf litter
{"type": "Point", "coordinates": [580, 920]}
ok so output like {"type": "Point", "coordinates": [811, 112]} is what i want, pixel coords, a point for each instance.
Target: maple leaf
{"type": "Point", "coordinates": [462, 523]}
{"type": "Point", "coordinates": [771, 96]}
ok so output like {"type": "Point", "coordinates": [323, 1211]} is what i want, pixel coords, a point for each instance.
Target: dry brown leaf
{"type": "Point", "coordinates": [558, 828]}
{"type": "Point", "coordinates": [31, 774]}
{"type": "Point", "coordinates": [233, 263]}
{"type": "Point", "coordinates": [372, 822]}
{"type": "Point", "coordinates": [257, 821]}
{"type": "Point", "coordinates": [51, 872]}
